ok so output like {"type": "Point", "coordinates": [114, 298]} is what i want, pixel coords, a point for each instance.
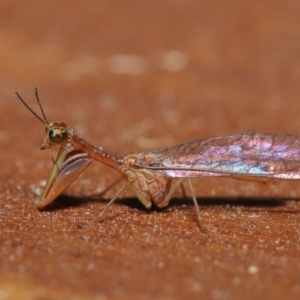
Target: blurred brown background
{"type": "Point", "coordinates": [137, 76]}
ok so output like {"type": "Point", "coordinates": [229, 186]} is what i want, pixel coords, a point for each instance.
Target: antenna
{"type": "Point", "coordinates": [40, 105]}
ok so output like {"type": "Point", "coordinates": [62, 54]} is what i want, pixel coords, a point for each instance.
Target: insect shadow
{"type": "Point", "coordinates": [66, 201]}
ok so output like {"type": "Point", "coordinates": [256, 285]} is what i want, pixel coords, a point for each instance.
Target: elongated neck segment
{"type": "Point", "coordinates": [97, 154]}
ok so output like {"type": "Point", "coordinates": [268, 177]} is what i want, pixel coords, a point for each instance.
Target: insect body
{"type": "Point", "coordinates": [149, 175]}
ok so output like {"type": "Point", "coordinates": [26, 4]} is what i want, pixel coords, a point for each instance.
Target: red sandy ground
{"type": "Point", "coordinates": [237, 70]}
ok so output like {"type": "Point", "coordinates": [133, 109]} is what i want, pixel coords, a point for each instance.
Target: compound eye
{"type": "Point", "coordinates": [58, 134]}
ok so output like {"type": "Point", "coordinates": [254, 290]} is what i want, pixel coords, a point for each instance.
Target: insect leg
{"type": "Point", "coordinates": [168, 187]}
{"type": "Point", "coordinates": [104, 209]}
{"type": "Point", "coordinates": [146, 202]}
{"type": "Point", "coordinates": [196, 207]}
{"type": "Point", "coordinates": [112, 200]}
{"type": "Point", "coordinates": [170, 191]}
{"type": "Point", "coordinates": [183, 191]}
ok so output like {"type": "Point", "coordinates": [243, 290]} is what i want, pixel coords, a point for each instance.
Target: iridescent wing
{"type": "Point", "coordinates": [255, 155]}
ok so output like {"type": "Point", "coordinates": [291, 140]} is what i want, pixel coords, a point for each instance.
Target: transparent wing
{"type": "Point", "coordinates": [254, 155]}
